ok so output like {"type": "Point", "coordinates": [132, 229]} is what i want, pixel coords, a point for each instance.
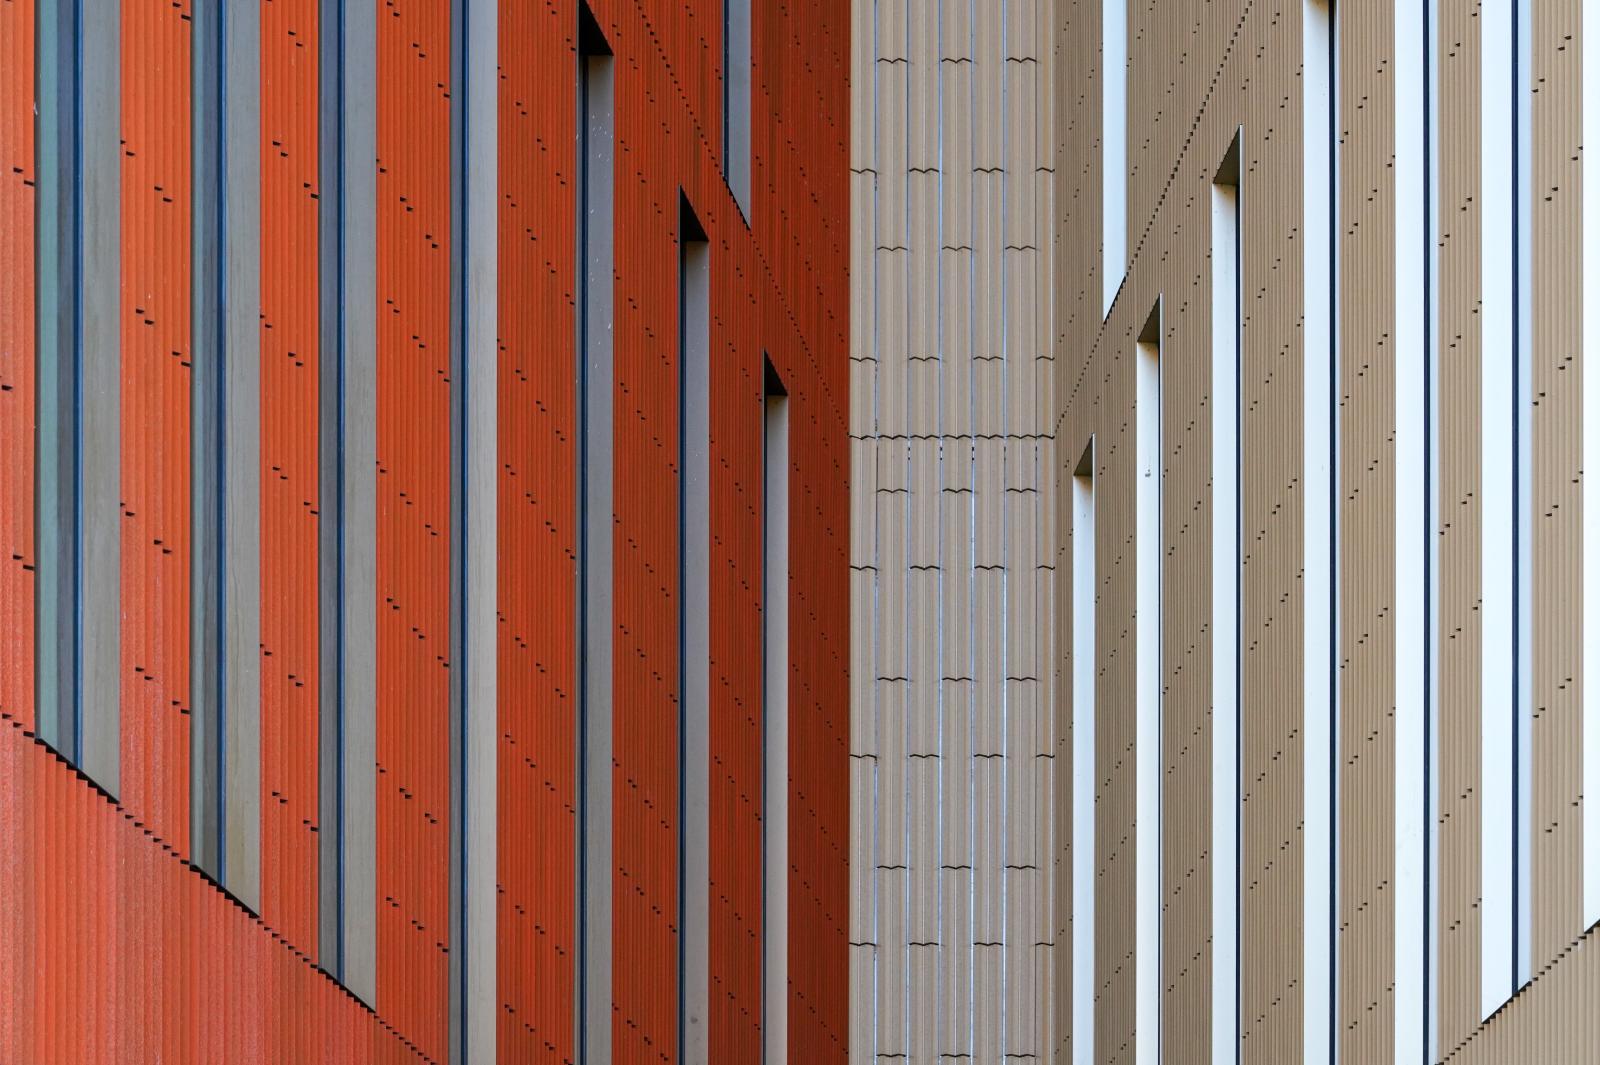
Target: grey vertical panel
{"type": "Point", "coordinates": [359, 492]}
{"type": "Point", "coordinates": [775, 733]}
{"type": "Point", "coordinates": [100, 398]}
{"type": "Point", "coordinates": [348, 449]}
{"type": "Point", "coordinates": [456, 1053]}
{"type": "Point", "coordinates": [57, 206]}
{"type": "Point", "coordinates": [695, 633]}
{"type": "Point", "coordinates": [736, 89]}
{"type": "Point", "coordinates": [595, 495]}
{"type": "Point", "coordinates": [242, 451]}
{"type": "Point", "coordinates": [479, 481]}
{"type": "Point", "coordinates": [226, 449]}
{"type": "Point", "coordinates": [207, 380]}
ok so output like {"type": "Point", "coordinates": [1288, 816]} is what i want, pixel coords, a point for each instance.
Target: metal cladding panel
{"type": "Point", "coordinates": [175, 971]}
{"type": "Point", "coordinates": [1557, 485]}
{"type": "Point", "coordinates": [1459, 819]}
{"type": "Point", "coordinates": [413, 522]}
{"type": "Point", "coordinates": [538, 535]}
{"type": "Point", "coordinates": [156, 382]}
{"type": "Point", "coordinates": [289, 469]}
{"type": "Point", "coordinates": [953, 728]}
{"type": "Point", "coordinates": [17, 340]}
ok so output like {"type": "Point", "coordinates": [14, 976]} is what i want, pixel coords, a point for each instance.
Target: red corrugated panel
{"type": "Point", "coordinates": [289, 472]}
{"type": "Point", "coordinates": [538, 532]}
{"type": "Point", "coordinates": [124, 954]}
{"type": "Point", "coordinates": [16, 364]}
{"type": "Point", "coordinates": [414, 518]}
{"type": "Point", "coordinates": [156, 169]}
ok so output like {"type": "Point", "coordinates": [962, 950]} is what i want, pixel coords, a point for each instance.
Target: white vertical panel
{"type": "Point", "coordinates": [1498, 494]}
{"type": "Point", "coordinates": [1225, 562]}
{"type": "Point", "coordinates": [775, 786]}
{"type": "Point", "coordinates": [1083, 761]}
{"type": "Point", "coordinates": [1411, 489]}
{"type": "Point", "coordinates": [1523, 693]}
{"type": "Point", "coordinates": [1147, 731]}
{"type": "Point", "coordinates": [1114, 154]}
{"type": "Point", "coordinates": [1318, 534]}
{"type": "Point", "coordinates": [1591, 463]}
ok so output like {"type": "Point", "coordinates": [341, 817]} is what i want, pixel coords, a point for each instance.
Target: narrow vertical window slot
{"type": "Point", "coordinates": [1225, 561]}
{"type": "Point", "coordinates": [1507, 465]}
{"type": "Point", "coordinates": [596, 133]}
{"type": "Point", "coordinates": [694, 599]}
{"type": "Point", "coordinates": [736, 89]}
{"type": "Point", "coordinates": [1114, 153]}
{"type": "Point", "coordinates": [1147, 686]}
{"type": "Point", "coordinates": [1319, 370]}
{"type": "Point", "coordinates": [78, 417]}
{"type": "Point", "coordinates": [347, 446]}
{"type": "Point", "coordinates": [775, 731]}
{"type": "Point", "coordinates": [225, 632]}
{"type": "Point", "coordinates": [1083, 759]}
{"type": "Point", "coordinates": [1412, 554]}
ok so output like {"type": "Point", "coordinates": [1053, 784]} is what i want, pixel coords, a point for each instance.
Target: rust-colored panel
{"type": "Point", "coordinates": [537, 931]}
{"type": "Point", "coordinates": [17, 337]}
{"type": "Point", "coordinates": [123, 954]}
{"type": "Point", "coordinates": [289, 471]}
{"type": "Point", "coordinates": [413, 498]}
{"type": "Point", "coordinates": [156, 170]}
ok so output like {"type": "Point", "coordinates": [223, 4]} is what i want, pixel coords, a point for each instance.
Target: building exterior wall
{"type": "Point", "coordinates": [953, 745]}
{"type": "Point", "coordinates": [456, 328]}
{"type": "Point", "coordinates": [1397, 973]}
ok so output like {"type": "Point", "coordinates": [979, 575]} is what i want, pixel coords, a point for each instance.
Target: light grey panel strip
{"type": "Point", "coordinates": [100, 398]}
{"type": "Point", "coordinates": [775, 783]}
{"type": "Point", "coordinates": [359, 514]}
{"type": "Point", "coordinates": [482, 583]}
{"type": "Point", "coordinates": [330, 762]}
{"type": "Point", "coordinates": [595, 495]}
{"type": "Point", "coordinates": [457, 1052]}
{"type": "Point", "coordinates": [226, 457]}
{"type": "Point", "coordinates": [695, 603]}
{"type": "Point", "coordinates": [241, 220]}
{"type": "Point", "coordinates": [207, 440]}
{"type": "Point", "coordinates": [56, 416]}
{"type": "Point", "coordinates": [348, 460]}
{"type": "Point", "coordinates": [736, 104]}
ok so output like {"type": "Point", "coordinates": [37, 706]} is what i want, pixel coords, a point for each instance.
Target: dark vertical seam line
{"type": "Point", "coordinates": [581, 505]}
{"type": "Point", "coordinates": [460, 468]}
{"type": "Point", "coordinates": [341, 528]}
{"type": "Point", "coordinates": [219, 382]}
{"type": "Point", "coordinates": [1333, 511]}
{"type": "Point", "coordinates": [75, 693]}
{"type": "Point", "coordinates": [1516, 489]}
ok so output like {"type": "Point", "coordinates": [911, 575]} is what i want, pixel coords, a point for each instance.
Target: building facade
{"type": "Point", "coordinates": [423, 495]}
{"type": "Point", "coordinates": [1319, 723]}
{"type": "Point", "coordinates": [1325, 599]}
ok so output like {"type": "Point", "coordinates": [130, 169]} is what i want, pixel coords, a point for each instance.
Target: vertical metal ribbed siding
{"type": "Point", "coordinates": [537, 427]}
{"type": "Point", "coordinates": [413, 498]}
{"type": "Point", "coordinates": [17, 342]}
{"type": "Point", "coordinates": [952, 719]}
{"type": "Point", "coordinates": [289, 468]}
{"type": "Point", "coordinates": [155, 330]}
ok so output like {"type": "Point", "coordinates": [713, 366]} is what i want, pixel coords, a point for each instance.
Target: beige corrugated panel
{"type": "Point", "coordinates": [1557, 489]}
{"type": "Point", "coordinates": [953, 541]}
{"type": "Point", "coordinates": [1458, 821]}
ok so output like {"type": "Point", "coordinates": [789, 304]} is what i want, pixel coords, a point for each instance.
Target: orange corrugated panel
{"type": "Point", "coordinates": [413, 496]}
{"type": "Point", "coordinates": [538, 531]}
{"type": "Point", "coordinates": [289, 472]}
{"type": "Point", "coordinates": [156, 169]}
{"type": "Point", "coordinates": [16, 360]}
